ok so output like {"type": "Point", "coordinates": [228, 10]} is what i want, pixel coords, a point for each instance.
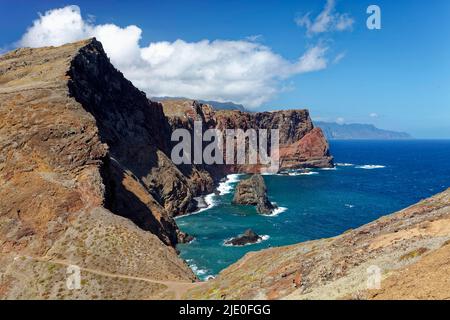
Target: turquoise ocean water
{"type": "Point", "coordinates": [371, 179]}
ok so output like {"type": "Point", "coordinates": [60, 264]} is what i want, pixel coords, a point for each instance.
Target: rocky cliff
{"type": "Point", "coordinates": [408, 251]}
{"type": "Point", "coordinates": [301, 144]}
{"type": "Point", "coordinates": [253, 191]}
{"type": "Point", "coordinates": [86, 184]}
{"type": "Point", "coordinates": [86, 176]}
{"type": "Point", "coordinates": [80, 149]}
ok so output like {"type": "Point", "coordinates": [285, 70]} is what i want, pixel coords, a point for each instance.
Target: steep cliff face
{"type": "Point", "coordinates": [135, 132]}
{"type": "Point", "coordinates": [86, 181]}
{"type": "Point", "coordinates": [86, 176]}
{"type": "Point", "coordinates": [301, 145]}
{"type": "Point", "coordinates": [79, 147]}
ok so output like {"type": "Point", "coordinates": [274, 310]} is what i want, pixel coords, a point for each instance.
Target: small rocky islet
{"type": "Point", "coordinates": [253, 191]}
{"type": "Point", "coordinates": [248, 237]}
{"type": "Point", "coordinates": [86, 179]}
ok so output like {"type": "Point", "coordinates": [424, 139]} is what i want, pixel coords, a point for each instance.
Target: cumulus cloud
{"type": "Point", "coordinates": [328, 20]}
{"type": "Point", "coordinates": [241, 71]}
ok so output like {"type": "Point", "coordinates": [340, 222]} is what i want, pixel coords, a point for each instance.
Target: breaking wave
{"type": "Point", "coordinates": [201, 273]}
{"type": "Point", "coordinates": [276, 212]}
{"type": "Point", "coordinates": [307, 173]}
{"type": "Point", "coordinates": [370, 166]}
{"type": "Point", "coordinates": [344, 164]}
{"type": "Point", "coordinates": [226, 186]}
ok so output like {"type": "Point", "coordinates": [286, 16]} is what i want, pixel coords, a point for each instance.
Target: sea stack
{"type": "Point", "coordinates": [253, 191]}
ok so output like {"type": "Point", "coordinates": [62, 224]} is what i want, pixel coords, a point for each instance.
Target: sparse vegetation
{"type": "Point", "coordinates": [413, 254]}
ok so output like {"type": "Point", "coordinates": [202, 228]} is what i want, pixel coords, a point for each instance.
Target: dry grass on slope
{"type": "Point", "coordinates": [401, 245]}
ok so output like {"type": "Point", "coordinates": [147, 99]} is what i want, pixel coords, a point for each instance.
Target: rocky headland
{"type": "Point", "coordinates": [86, 181]}
{"type": "Point", "coordinates": [253, 191]}
{"type": "Point", "coordinates": [86, 177]}
{"type": "Point", "coordinates": [301, 145]}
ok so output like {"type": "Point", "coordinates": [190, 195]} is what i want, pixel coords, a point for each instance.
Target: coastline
{"type": "Point", "coordinates": [392, 243]}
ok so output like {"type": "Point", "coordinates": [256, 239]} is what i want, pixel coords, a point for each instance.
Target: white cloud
{"type": "Point", "coordinates": [328, 20]}
{"type": "Point", "coordinates": [339, 57]}
{"type": "Point", "coordinates": [373, 115]}
{"type": "Point", "coordinates": [255, 38]}
{"type": "Point", "coordinates": [241, 71]}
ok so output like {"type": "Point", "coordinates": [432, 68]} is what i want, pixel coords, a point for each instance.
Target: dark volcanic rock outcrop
{"type": "Point", "coordinates": [248, 237]}
{"type": "Point", "coordinates": [136, 134]}
{"type": "Point", "coordinates": [253, 191]}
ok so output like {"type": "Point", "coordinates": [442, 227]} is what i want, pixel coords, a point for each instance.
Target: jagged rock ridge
{"type": "Point", "coordinates": [301, 144]}
{"type": "Point", "coordinates": [83, 153]}
{"type": "Point", "coordinates": [73, 133]}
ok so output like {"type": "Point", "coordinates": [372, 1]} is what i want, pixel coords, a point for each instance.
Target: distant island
{"type": "Point", "coordinates": [217, 105]}
{"type": "Point", "coordinates": [334, 131]}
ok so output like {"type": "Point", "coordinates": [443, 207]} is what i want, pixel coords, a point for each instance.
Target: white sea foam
{"type": "Point", "coordinates": [326, 169]}
{"type": "Point", "coordinates": [344, 164]}
{"type": "Point", "coordinates": [199, 272]}
{"type": "Point", "coordinates": [306, 173]}
{"type": "Point", "coordinates": [263, 238]}
{"type": "Point", "coordinates": [371, 166]}
{"type": "Point", "coordinates": [209, 200]}
{"type": "Point", "coordinates": [349, 205]}
{"type": "Point", "coordinates": [276, 212]}
{"type": "Point", "coordinates": [226, 186]}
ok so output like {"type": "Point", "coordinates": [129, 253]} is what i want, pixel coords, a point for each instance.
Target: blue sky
{"type": "Point", "coordinates": [396, 78]}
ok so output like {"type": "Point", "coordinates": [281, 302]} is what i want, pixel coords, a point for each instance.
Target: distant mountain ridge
{"type": "Point", "coordinates": [217, 105]}
{"type": "Point", "coordinates": [334, 131]}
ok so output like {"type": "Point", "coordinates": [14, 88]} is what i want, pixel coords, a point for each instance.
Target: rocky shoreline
{"type": "Point", "coordinates": [87, 180]}
{"type": "Point", "coordinates": [80, 141]}
{"type": "Point", "coordinates": [409, 249]}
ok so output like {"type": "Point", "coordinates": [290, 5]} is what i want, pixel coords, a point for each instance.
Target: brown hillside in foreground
{"type": "Point", "coordinates": [410, 248]}
{"type": "Point", "coordinates": [86, 178]}
{"type": "Point", "coordinates": [66, 167]}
